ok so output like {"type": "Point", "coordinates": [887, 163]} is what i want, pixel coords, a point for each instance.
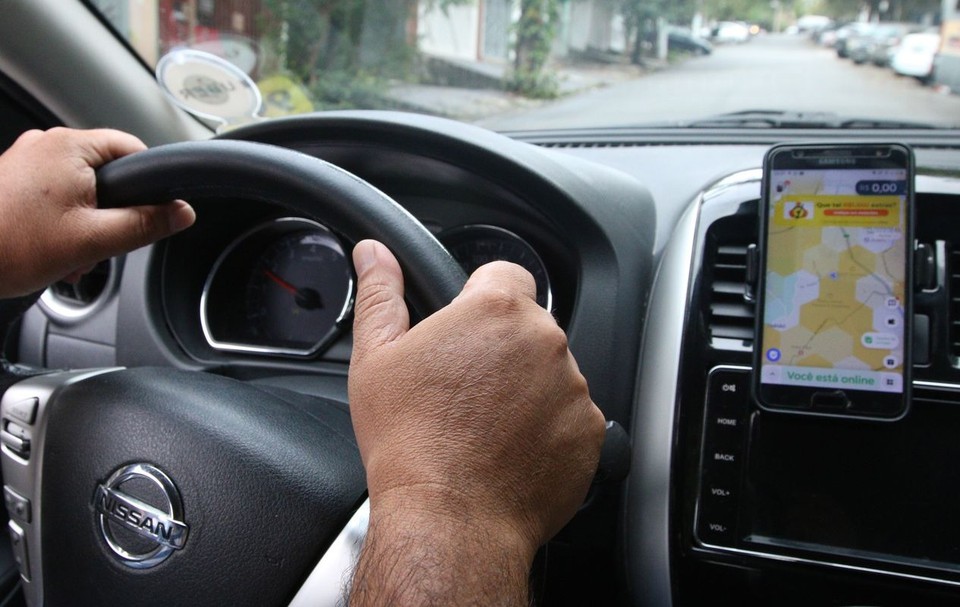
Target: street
{"type": "Point", "coordinates": [771, 72]}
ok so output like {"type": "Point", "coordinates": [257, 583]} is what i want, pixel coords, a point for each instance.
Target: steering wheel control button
{"type": "Point", "coordinates": [17, 506]}
{"type": "Point", "coordinates": [19, 543]}
{"type": "Point", "coordinates": [24, 410]}
{"type": "Point", "coordinates": [15, 441]}
{"type": "Point", "coordinates": [140, 515]}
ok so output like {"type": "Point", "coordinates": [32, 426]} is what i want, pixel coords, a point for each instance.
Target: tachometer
{"type": "Point", "coordinates": [475, 245]}
{"type": "Point", "coordinates": [285, 287]}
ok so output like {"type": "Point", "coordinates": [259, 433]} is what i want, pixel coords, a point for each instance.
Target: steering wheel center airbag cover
{"type": "Point", "coordinates": [267, 479]}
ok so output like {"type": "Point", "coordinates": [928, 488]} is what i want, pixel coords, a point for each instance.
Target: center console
{"type": "Point", "coordinates": [802, 509]}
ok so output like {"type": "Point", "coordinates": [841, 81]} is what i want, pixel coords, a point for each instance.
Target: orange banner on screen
{"type": "Point", "coordinates": [819, 211]}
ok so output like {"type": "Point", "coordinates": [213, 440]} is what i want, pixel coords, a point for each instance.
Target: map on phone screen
{"type": "Point", "coordinates": [835, 278]}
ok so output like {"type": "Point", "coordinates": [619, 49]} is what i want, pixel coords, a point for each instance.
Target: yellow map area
{"type": "Point", "coordinates": [835, 276]}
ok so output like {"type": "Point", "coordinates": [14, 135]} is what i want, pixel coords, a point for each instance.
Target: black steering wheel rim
{"type": "Point", "coordinates": [230, 170]}
{"type": "Point", "coordinates": [298, 458]}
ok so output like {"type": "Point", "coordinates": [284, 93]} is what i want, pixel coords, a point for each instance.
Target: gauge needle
{"type": "Point", "coordinates": [306, 298]}
{"type": "Point", "coordinates": [286, 286]}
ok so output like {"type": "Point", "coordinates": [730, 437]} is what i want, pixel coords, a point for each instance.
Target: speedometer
{"type": "Point", "coordinates": [475, 245]}
{"type": "Point", "coordinates": [285, 287]}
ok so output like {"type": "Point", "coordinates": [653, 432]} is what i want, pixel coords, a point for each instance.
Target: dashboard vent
{"type": "Point", "coordinates": [730, 319]}
{"type": "Point", "coordinates": [68, 303]}
{"type": "Point", "coordinates": [86, 290]}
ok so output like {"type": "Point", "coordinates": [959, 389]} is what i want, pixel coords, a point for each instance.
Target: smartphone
{"type": "Point", "coordinates": [834, 293]}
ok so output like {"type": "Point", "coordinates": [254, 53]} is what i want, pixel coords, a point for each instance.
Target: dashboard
{"type": "Point", "coordinates": [638, 242]}
{"type": "Point", "coordinates": [638, 238]}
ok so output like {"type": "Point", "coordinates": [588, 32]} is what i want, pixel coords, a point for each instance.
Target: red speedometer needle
{"type": "Point", "coordinates": [306, 298]}
{"type": "Point", "coordinates": [283, 284]}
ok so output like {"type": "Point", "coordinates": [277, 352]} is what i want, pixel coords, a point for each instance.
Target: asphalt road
{"type": "Point", "coordinates": [770, 72]}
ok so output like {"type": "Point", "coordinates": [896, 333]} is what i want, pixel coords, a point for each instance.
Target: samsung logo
{"type": "Point", "coordinates": [836, 161]}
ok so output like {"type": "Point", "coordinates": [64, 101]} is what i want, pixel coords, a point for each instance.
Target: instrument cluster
{"type": "Point", "coordinates": [286, 286]}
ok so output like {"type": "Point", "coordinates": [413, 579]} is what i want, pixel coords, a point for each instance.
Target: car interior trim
{"type": "Point", "coordinates": [64, 312]}
{"type": "Point", "coordinates": [329, 583]}
{"type": "Point", "coordinates": [814, 561]}
{"type": "Point", "coordinates": [648, 486]}
{"type": "Point", "coordinates": [252, 349]}
{"type": "Point", "coordinates": [23, 475]}
{"type": "Point", "coordinates": [135, 104]}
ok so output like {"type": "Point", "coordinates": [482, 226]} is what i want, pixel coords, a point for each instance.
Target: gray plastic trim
{"type": "Point", "coordinates": [66, 313]}
{"type": "Point", "coordinates": [648, 487]}
{"type": "Point", "coordinates": [24, 475]}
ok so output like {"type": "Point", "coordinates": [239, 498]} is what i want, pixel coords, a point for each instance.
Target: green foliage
{"type": "Point", "coordinates": [640, 20]}
{"type": "Point", "coordinates": [897, 10]}
{"type": "Point", "coordinates": [344, 51]}
{"type": "Point", "coordinates": [751, 11]}
{"type": "Point", "coordinates": [534, 31]}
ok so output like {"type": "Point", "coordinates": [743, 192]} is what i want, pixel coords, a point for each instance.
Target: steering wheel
{"type": "Point", "coordinates": [160, 486]}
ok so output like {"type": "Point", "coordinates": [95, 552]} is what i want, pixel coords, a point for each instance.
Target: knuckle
{"type": "Point", "coordinates": [498, 301]}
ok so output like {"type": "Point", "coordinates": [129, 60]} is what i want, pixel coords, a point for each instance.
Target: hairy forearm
{"type": "Point", "coordinates": [419, 558]}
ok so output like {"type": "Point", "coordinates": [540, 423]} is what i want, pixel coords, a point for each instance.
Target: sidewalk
{"type": "Point", "coordinates": [471, 104]}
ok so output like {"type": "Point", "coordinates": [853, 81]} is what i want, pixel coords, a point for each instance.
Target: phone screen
{"type": "Point", "coordinates": [834, 301]}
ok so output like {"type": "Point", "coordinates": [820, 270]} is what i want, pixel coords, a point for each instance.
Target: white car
{"type": "Point", "coordinates": [731, 31]}
{"type": "Point", "coordinates": [914, 56]}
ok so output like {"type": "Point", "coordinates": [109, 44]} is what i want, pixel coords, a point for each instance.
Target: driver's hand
{"type": "Point", "coordinates": [50, 227]}
{"type": "Point", "coordinates": [477, 420]}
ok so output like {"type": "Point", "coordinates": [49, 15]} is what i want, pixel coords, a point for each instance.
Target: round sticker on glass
{"type": "Point", "coordinates": [209, 87]}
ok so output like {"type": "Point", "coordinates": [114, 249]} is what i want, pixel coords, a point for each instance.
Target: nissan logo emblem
{"type": "Point", "coordinates": [140, 515]}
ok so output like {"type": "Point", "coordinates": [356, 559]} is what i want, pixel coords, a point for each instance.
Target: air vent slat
{"type": "Point", "coordinates": [732, 331]}
{"type": "Point", "coordinates": [741, 310]}
{"type": "Point", "coordinates": [730, 318]}
{"type": "Point", "coordinates": [723, 287]}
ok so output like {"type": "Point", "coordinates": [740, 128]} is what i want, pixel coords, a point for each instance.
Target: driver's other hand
{"type": "Point", "coordinates": [479, 414]}
{"type": "Point", "coordinates": [50, 227]}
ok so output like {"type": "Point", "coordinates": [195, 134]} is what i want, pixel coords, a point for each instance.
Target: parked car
{"type": "Point", "coordinates": [886, 38]}
{"type": "Point", "coordinates": [915, 55]}
{"type": "Point", "coordinates": [731, 32]}
{"type": "Point", "coordinates": [848, 33]}
{"type": "Point", "coordinates": [682, 39]}
{"type": "Point", "coordinates": [813, 24]}
{"type": "Point", "coordinates": [860, 45]}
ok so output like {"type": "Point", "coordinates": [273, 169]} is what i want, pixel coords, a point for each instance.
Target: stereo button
{"type": "Point", "coordinates": [729, 389]}
{"type": "Point", "coordinates": [17, 506]}
{"type": "Point", "coordinates": [19, 543]}
{"type": "Point", "coordinates": [716, 523]}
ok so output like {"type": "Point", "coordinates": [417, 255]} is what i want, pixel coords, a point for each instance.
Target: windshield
{"type": "Point", "coordinates": [537, 64]}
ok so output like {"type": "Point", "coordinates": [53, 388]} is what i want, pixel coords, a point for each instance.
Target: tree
{"type": "Point", "coordinates": [640, 18]}
{"type": "Point", "coordinates": [343, 50]}
{"type": "Point", "coordinates": [535, 31]}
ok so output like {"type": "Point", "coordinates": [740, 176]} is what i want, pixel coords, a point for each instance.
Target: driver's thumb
{"type": "Point", "coordinates": [380, 314]}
